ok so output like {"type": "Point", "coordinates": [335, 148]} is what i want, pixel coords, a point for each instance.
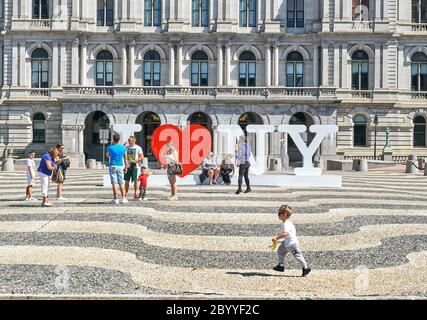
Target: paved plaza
{"type": "Point", "coordinates": [368, 239]}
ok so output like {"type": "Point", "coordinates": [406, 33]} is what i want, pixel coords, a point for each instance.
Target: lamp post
{"type": "Point", "coordinates": [375, 140]}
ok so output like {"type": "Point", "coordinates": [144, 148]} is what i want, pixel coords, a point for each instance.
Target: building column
{"type": "Point", "coordinates": [75, 62]}
{"type": "Point", "coordinates": [81, 139]}
{"type": "Point", "coordinates": [15, 9]}
{"type": "Point", "coordinates": [1, 67]}
{"type": "Point", "coordinates": [336, 65]}
{"type": "Point", "coordinates": [276, 62]}
{"type": "Point", "coordinates": [163, 9]}
{"type": "Point", "coordinates": [55, 9]}
{"type": "Point", "coordinates": [219, 64]}
{"type": "Point", "coordinates": [326, 15]}
{"type": "Point", "coordinates": [76, 10]}
{"type": "Point", "coordinates": [172, 10]}
{"type": "Point", "coordinates": [55, 66]}
{"type": "Point", "coordinates": [377, 70]}
{"type": "Point", "coordinates": [268, 13]}
{"type": "Point", "coordinates": [63, 68]}
{"type": "Point", "coordinates": [132, 63]}
{"type": "Point", "coordinates": [15, 64]}
{"type": "Point", "coordinates": [267, 63]}
{"type": "Point", "coordinates": [346, 10]}
{"type": "Point", "coordinates": [179, 64]}
{"type": "Point", "coordinates": [258, 13]}
{"type": "Point", "coordinates": [344, 67]}
{"type": "Point", "coordinates": [22, 65]}
{"type": "Point", "coordinates": [23, 9]}
{"type": "Point", "coordinates": [338, 10]}
{"type": "Point", "coordinates": [83, 60]}
{"type": "Point", "coordinates": [124, 64]}
{"type": "Point", "coordinates": [378, 14]}
{"type": "Point", "coordinates": [325, 65]}
{"type": "Point", "coordinates": [316, 66]}
{"type": "Point", "coordinates": [211, 14]}
{"type": "Point", "coordinates": [227, 64]}
{"type": "Point", "coordinates": [385, 66]}
{"type": "Point", "coordinates": [124, 15]}
{"type": "Point", "coordinates": [171, 64]}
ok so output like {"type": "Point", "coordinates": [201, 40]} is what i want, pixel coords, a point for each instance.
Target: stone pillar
{"type": "Point", "coordinates": [163, 8]}
{"type": "Point", "coordinates": [346, 10]}
{"type": "Point", "coordinates": [63, 65]}
{"type": "Point", "coordinates": [211, 14]}
{"type": "Point", "coordinates": [55, 65]}
{"type": "Point", "coordinates": [344, 67]}
{"type": "Point", "coordinates": [83, 60]}
{"type": "Point", "coordinates": [76, 10]}
{"type": "Point", "coordinates": [326, 15]}
{"type": "Point", "coordinates": [336, 65]}
{"type": "Point", "coordinates": [315, 65]}
{"type": "Point", "coordinates": [267, 65]}
{"type": "Point", "coordinates": [22, 65]}
{"type": "Point", "coordinates": [24, 9]}
{"type": "Point", "coordinates": [81, 140]}
{"type": "Point", "coordinates": [227, 64]}
{"type": "Point", "coordinates": [276, 61]}
{"type": "Point", "coordinates": [378, 14]}
{"type": "Point", "coordinates": [219, 64]}
{"type": "Point", "coordinates": [15, 9]}
{"type": "Point", "coordinates": [75, 62]}
{"type": "Point", "coordinates": [124, 10]}
{"type": "Point", "coordinates": [172, 10]}
{"type": "Point", "coordinates": [55, 9]}
{"type": "Point", "coordinates": [124, 64]}
{"type": "Point", "coordinates": [15, 64]}
{"type": "Point", "coordinates": [1, 66]}
{"type": "Point", "coordinates": [385, 66]}
{"type": "Point", "coordinates": [325, 65]}
{"type": "Point", "coordinates": [258, 12]}
{"type": "Point", "coordinates": [132, 63]}
{"type": "Point", "coordinates": [171, 64]}
{"type": "Point", "coordinates": [338, 10]}
{"type": "Point", "coordinates": [377, 70]}
{"type": "Point", "coordinates": [179, 64]}
{"type": "Point", "coordinates": [268, 13]}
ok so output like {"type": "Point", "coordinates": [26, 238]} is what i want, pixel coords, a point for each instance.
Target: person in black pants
{"type": "Point", "coordinates": [244, 154]}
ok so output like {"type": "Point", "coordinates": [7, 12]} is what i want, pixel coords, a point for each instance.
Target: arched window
{"type": "Point", "coordinates": [295, 13]}
{"type": "Point", "coordinates": [99, 121]}
{"type": "Point", "coordinates": [200, 13]}
{"type": "Point", "coordinates": [105, 13]}
{"type": "Point", "coordinates": [295, 70]}
{"type": "Point", "coordinates": [248, 14]}
{"type": "Point", "coordinates": [104, 68]}
{"type": "Point", "coordinates": [150, 122]}
{"type": "Point", "coordinates": [39, 128]}
{"type": "Point", "coordinates": [249, 118]}
{"type": "Point", "coordinates": [359, 131]}
{"type": "Point", "coordinates": [360, 70]}
{"type": "Point", "coordinates": [360, 10]}
{"type": "Point", "coordinates": [247, 69]}
{"type": "Point", "coordinates": [199, 69]}
{"type": "Point", "coordinates": [202, 119]}
{"type": "Point", "coordinates": [152, 68]}
{"type": "Point", "coordinates": [419, 72]}
{"type": "Point", "coordinates": [40, 9]}
{"type": "Point", "coordinates": [153, 13]}
{"type": "Point", "coordinates": [39, 69]}
{"type": "Point", "coordinates": [419, 132]}
{"type": "Point", "coordinates": [419, 11]}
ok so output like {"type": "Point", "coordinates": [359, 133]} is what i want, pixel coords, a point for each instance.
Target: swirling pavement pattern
{"type": "Point", "coordinates": [367, 239]}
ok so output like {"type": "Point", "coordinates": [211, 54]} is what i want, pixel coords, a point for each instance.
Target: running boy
{"type": "Point", "coordinates": [30, 168]}
{"type": "Point", "coordinates": [290, 242]}
{"type": "Point", "coordinates": [143, 179]}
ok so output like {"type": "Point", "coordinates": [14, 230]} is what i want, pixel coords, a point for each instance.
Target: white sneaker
{"type": "Point", "coordinates": [174, 198]}
{"type": "Point", "coordinates": [61, 199]}
{"type": "Point", "coordinates": [32, 199]}
{"type": "Point", "coordinates": [27, 199]}
{"type": "Point", "coordinates": [124, 201]}
{"type": "Point", "coordinates": [115, 201]}
{"type": "Point", "coordinates": [47, 204]}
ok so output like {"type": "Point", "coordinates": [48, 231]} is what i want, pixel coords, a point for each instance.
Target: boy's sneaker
{"type": "Point", "coordinates": [124, 201]}
{"type": "Point", "coordinates": [115, 201]}
{"type": "Point", "coordinates": [279, 268]}
{"type": "Point", "coordinates": [306, 271]}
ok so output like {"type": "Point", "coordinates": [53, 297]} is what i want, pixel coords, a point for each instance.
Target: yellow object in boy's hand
{"type": "Point", "coordinates": [273, 245]}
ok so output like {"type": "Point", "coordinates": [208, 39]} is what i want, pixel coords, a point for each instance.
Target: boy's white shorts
{"type": "Point", "coordinates": [31, 182]}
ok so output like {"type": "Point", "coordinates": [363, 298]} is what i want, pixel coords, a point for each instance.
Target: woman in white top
{"type": "Point", "coordinates": [171, 156]}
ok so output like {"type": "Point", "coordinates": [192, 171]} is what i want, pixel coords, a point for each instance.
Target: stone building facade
{"type": "Point", "coordinates": [72, 67]}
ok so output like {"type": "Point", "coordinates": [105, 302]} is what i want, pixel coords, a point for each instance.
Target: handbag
{"type": "Point", "coordinates": [174, 169]}
{"type": "Point", "coordinates": [58, 176]}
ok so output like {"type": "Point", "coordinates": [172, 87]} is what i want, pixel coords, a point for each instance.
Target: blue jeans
{"type": "Point", "coordinates": [116, 175]}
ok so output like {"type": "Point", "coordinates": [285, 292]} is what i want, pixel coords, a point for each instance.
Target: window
{"type": "Point", "coordinates": [150, 122]}
{"type": "Point", "coordinates": [360, 71]}
{"type": "Point", "coordinates": [295, 70]}
{"type": "Point", "coordinates": [99, 121]}
{"type": "Point", "coordinates": [200, 13]}
{"type": "Point", "coordinates": [419, 11]}
{"type": "Point", "coordinates": [104, 68]}
{"type": "Point", "coordinates": [295, 13]}
{"type": "Point", "coordinates": [247, 69]}
{"type": "Point", "coordinates": [39, 69]}
{"type": "Point", "coordinates": [152, 68]}
{"type": "Point", "coordinates": [248, 14]}
{"type": "Point", "coordinates": [199, 69]}
{"type": "Point", "coordinates": [359, 131]}
{"type": "Point", "coordinates": [419, 72]}
{"type": "Point", "coordinates": [419, 132]}
{"type": "Point", "coordinates": [105, 13]}
{"type": "Point", "coordinates": [40, 9]}
{"type": "Point", "coordinates": [153, 13]}
{"type": "Point", "coordinates": [39, 128]}
{"type": "Point", "coordinates": [360, 10]}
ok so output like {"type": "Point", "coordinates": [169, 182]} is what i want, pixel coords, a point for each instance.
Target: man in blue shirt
{"type": "Point", "coordinates": [116, 153]}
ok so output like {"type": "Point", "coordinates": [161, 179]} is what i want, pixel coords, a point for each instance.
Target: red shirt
{"type": "Point", "coordinates": [143, 180]}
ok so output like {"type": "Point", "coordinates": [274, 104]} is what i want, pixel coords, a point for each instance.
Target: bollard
{"type": "Point", "coordinates": [91, 164]}
{"type": "Point", "coordinates": [275, 164]}
{"type": "Point", "coordinates": [421, 163]}
{"type": "Point", "coordinates": [98, 165]}
{"type": "Point", "coordinates": [410, 167]}
{"type": "Point", "coordinates": [363, 165]}
{"type": "Point", "coordinates": [412, 157]}
{"type": "Point", "coordinates": [8, 164]}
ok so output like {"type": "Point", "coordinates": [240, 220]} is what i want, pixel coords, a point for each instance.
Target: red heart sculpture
{"type": "Point", "coordinates": [193, 145]}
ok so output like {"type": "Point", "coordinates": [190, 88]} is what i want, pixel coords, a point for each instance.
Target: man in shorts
{"type": "Point", "coordinates": [134, 156]}
{"type": "Point", "coordinates": [116, 153]}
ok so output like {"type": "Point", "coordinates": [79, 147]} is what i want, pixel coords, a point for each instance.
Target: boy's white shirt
{"type": "Point", "coordinates": [31, 166]}
{"type": "Point", "coordinates": [289, 228]}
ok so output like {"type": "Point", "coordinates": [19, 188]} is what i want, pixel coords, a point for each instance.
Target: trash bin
{"type": "Point", "coordinates": [91, 164]}
{"type": "Point", "coordinates": [275, 164]}
{"type": "Point", "coordinates": [8, 164]}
